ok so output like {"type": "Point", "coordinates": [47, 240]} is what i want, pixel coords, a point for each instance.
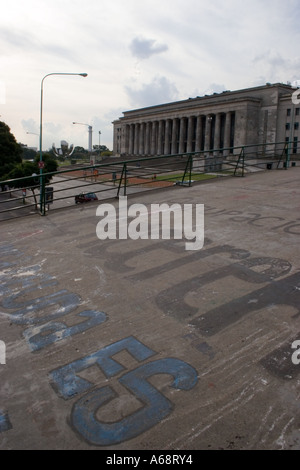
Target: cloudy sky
{"type": "Point", "coordinates": [136, 53]}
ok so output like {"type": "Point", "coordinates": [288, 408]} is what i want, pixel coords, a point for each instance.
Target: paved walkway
{"type": "Point", "coordinates": [142, 345]}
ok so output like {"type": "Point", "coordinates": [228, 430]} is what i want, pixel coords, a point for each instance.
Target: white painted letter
{"type": "Point", "coordinates": [123, 218]}
{"type": "Point", "coordinates": [140, 221]}
{"type": "Point", "coordinates": [296, 355]}
{"type": "Point", "coordinates": [2, 353]}
{"type": "Point", "coordinates": [198, 234]}
{"type": "Point", "coordinates": [110, 222]}
{"type": "Point", "coordinates": [295, 98]}
{"type": "Point", "coordinates": [165, 210]}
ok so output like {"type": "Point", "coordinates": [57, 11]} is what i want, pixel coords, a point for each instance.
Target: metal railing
{"type": "Point", "coordinates": [110, 180]}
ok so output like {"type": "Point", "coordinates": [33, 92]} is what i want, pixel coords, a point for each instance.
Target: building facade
{"type": "Point", "coordinates": [261, 115]}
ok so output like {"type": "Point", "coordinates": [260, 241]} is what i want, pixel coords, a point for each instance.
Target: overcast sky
{"type": "Point", "coordinates": [136, 53]}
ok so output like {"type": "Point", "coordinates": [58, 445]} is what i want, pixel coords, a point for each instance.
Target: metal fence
{"type": "Point", "coordinates": [110, 180]}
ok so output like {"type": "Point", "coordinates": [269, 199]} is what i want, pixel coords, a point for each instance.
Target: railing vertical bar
{"type": "Point", "coordinates": [120, 182]}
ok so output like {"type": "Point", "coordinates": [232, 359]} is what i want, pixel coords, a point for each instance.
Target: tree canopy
{"type": "Point", "coordinates": [10, 151]}
{"type": "Point", "coordinates": [24, 169]}
{"type": "Point", "coordinates": [28, 153]}
{"type": "Point", "coordinates": [12, 165]}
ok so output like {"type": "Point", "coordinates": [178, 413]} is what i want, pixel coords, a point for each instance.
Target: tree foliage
{"type": "Point", "coordinates": [28, 153]}
{"type": "Point", "coordinates": [13, 167]}
{"type": "Point", "coordinates": [10, 151]}
{"type": "Point", "coordinates": [26, 169]}
{"type": "Point", "coordinates": [21, 170]}
{"type": "Point", "coordinates": [51, 164]}
{"type": "Point", "coordinates": [106, 153]}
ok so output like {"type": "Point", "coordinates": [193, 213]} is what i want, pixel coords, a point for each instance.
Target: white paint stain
{"type": "Point", "coordinates": [281, 440]}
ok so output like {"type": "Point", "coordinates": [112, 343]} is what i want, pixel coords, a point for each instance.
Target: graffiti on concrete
{"type": "Point", "coordinates": [155, 406]}
{"type": "Point", "coordinates": [43, 331]}
{"type": "Point", "coordinates": [267, 281]}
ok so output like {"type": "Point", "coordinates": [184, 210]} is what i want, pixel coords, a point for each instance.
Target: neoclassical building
{"type": "Point", "coordinates": [261, 115]}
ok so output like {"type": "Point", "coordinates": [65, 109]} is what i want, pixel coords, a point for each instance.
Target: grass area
{"type": "Point", "coordinates": [68, 162]}
{"type": "Point", "coordinates": [178, 177]}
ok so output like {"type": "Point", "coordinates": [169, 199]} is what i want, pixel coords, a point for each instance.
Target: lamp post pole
{"type": "Point", "coordinates": [99, 145]}
{"type": "Point", "coordinates": [90, 130]}
{"type": "Point", "coordinates": [41, 128]}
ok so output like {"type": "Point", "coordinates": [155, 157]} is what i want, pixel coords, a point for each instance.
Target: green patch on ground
{"type": "Point", "coordinates": [178, 177]}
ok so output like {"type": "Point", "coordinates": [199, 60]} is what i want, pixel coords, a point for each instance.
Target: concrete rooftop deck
{"type": "Point", "coordinates": [142, 345]}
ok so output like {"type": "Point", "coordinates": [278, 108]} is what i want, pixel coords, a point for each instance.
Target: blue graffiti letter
{"type": "Point", "coordinates": [67, 383]}
{"type": "Point", "coordinates": [156, 406]}
{"type": "Point", "coordinates": [37, 339]}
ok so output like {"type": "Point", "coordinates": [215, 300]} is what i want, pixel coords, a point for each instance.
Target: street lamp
{"type": "Point", "coordinates": [99, 146]}
{"type": "Point", "coordinates": [90, 138]}
{"type": "Point", "coordinates": [41, 125]}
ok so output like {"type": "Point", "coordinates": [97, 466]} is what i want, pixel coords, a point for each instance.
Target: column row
{"type": "Point", "coordinates": [181, 135]}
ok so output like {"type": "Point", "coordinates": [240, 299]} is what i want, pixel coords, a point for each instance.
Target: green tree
{"type": "Point", "coordinates": [51, 164]}
{"type": "Point", "coordinates": [25, 169]}
{"type": "Point", "coordinates": [80, 153]}
{"type": "Point", "coordinates": [10, 151]}
{"type": "Point", "coordinates": [28, 153]}
{"type": "Point", "coordinates": [22, 170]}
{"type": "Point", "coordinates": [106, 153]}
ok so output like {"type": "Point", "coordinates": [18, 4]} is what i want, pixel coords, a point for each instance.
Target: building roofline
{"type": "Point", "coordinates": [213, 95]}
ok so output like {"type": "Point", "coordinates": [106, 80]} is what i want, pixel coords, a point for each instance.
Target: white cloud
{"type": "Point", "coordinates": [160, 90]}
{"type": "Point", "coordinates": [30, 125]}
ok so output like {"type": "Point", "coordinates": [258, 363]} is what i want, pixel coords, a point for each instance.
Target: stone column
{"type": "Point", "coordinates": [126, 142]}
{"type": "Point", "coordinates": [218, 160]}
{"type": "Point", "coordinates": [159, 138]}
{"type": "Point", "coordinates": [174, 136]}
{"type": "Point", "coordinates": [131, 139]}
{"type": "Point", "coordinates": [182, 134]}
{"type": "Point", "coordinates": [147, 139]}
{"type": "Point", "coordinates": [167, 137]}
{"type": "Point", "coordinates": [227, 134]}
{"type": "Point", "coordinates": [136, 139]}
{"type": "Point", "coordinates": [190, 134]}
{"type": "Point", "coordinates": [217, 136]}
{"type": "Point", "coordinates": [154, 138]}
{"type": "Point", "coordinates": [207, 132]}
{"type": "Point", "coordinates": [142, 139]}
{"type": "Point", "coordinates": [199, 133]}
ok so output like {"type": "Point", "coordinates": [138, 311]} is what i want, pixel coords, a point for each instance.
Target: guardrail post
{"type": "Point", "coordinates": [243, 169]}
{"type": "Point", "coordinates": [288, 155]}
{"type": "Point", "coordinates": [124, 172]}
{"type": "Point", "coordinates": [241, 159]}
{"type": "Point", "coordinates": [43, 196]}
{"type": "Point", "coordinates": [188, 168]}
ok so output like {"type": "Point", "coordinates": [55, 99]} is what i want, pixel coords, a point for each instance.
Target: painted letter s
{"type": "Point", "coordinates": [156, 406]}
